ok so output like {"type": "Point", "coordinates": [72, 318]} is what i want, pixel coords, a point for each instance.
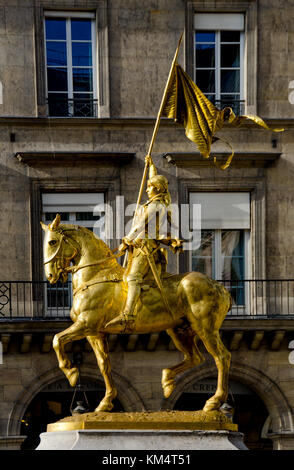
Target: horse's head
{"type": "Point", "coordinates": [59, 250]}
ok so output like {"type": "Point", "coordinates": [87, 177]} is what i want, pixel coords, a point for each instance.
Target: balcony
{"type": "Point", "coordinates": [252, 299]}
{"type": "Point", "coordinates": [77, 107]}
{"type": "Point", "coordinates": [238, 106]}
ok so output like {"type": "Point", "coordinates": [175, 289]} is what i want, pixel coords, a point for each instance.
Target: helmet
{"type": "Point", "coordinates": [160, 182]}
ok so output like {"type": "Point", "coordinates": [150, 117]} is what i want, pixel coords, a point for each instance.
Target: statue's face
{"type": "Point", "coordinates": [151, 190]}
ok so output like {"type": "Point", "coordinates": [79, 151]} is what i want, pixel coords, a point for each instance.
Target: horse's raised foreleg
{"type": "Point", "coordinates": [100, 347]}
{"type": "Point", "coordinates": [73, 333]}
{"type": "Point", "coordinates": [184, 341]}
{"type": "Point", "coordinates": [222, 357]}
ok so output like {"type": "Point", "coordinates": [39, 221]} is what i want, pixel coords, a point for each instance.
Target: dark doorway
{"type": "Point", "coordinates": [53, 403]}
{"type": "Point", "coordinates": [250, 413]}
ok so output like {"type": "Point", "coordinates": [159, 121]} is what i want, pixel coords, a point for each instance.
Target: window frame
{"type": "Point", "coordinates": [249, 9]}
{"type": "Point", "coordinates": [256, 187]}
{"type": "Point", "coordinates": [77, 8]}
{"type": "Point", "coordinates": [68, 15]}
{"type": "Point", "coordinates": [109, 186]}
{"type": "Point", "coordinates": [218, 95]}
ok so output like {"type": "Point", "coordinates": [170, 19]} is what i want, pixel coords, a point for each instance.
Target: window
{"type": "Point", "coordinates": [223, 253]}
{"type": "Point", "coordinates": [70, 64]}
{"type": "Point", "coordinates": [219, 58]}
{"type": "Point", "coordinates": [74, 208]}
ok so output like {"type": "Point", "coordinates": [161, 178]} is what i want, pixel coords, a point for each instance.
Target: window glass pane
{"type": "Point", "coordinates": [81, 53]}
{"type": "Point", "coordinates": [57, 79]}
{"type": "Point", "coordinates": [205, 36]}
{"type": "Point", "coordinates": [87, 216]}
{"type": "Point", "coordinates": [230, 81]}
{"type": "Point", "coordinates": [82, 79]}
{"type": "Point", "coordinates": [81, 30]}
{"type": "Point", "coordinates": [232, 254]}
{"type": "Point", "coordinates": [203, 258]}
{"type": "Point", "coordinates": [58, 106]}
{"type": "Point", "coordinates": [230, 55]}
{"type": "Point", "coordinates": [211, 98]}
{"type": "Point", "coordinates": [55, 28]}
{"type": "Point", "coordinates": [50, 216]}
{"type": "Point", "coordinates": [205, 80]}
{"type": "Point", "coordinates": [58, 296]}
{"type": "Point", "coordinates": [56, 53]}
{"type": "Point", "coordinates": [230, 36]}
{"type": "Point", "coordinates": [205, 55]}
{"type": "Point", "coordinates": [233, 263]}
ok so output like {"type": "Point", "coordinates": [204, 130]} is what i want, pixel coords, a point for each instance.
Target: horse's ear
{"type": "Point", "coordinates": [44, 226]}
{"type": "Point", "coordinates": [54, 225]}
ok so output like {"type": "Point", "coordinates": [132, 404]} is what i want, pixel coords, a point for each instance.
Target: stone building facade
{"type": "Point", "coordinates": [93, 141]}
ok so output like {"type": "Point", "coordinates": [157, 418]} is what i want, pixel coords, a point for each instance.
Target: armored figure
{"type": "Point", "coordinates": [151, 228]}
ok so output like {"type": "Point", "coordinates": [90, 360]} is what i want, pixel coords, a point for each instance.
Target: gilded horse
{"type": "Point", "coordinates": [199, 306]}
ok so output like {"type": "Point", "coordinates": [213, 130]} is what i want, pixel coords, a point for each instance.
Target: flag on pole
{"type": "Point", "coordinates": [188, 106]}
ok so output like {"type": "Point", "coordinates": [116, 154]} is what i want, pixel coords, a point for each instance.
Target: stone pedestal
{"type": "Point", "coordinates": [141, 440]}
{"type": "Point", "coordinates": [166, 430]}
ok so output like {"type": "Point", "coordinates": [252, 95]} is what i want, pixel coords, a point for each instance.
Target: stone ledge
{"type": "Point", "coordinates": [11, 442]}
{"type": "Point", "coordinates": [122, 121]}
{"type": "Point", "coordinates": [241, 159]}
{"type": "Point", "coordinates": [70, 157]}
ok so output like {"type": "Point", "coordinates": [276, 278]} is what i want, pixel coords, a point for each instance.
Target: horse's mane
{"type": "Point", "coordinates": [101, 245]}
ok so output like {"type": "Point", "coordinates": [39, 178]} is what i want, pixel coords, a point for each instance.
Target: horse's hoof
{"type": "Point", "coordinates": [104, 407]}
{"type": "Point", "coordinates": [168, 390]}
{"type": "Point", "coordinates": [168, 384]}
{"type": "Point", "coordinates": [212, 405]}
{"type": "Point", "coordinates": [72, 376]}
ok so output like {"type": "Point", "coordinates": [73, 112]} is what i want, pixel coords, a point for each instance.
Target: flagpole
{"type": "Point", "coordinates": [155, 130]}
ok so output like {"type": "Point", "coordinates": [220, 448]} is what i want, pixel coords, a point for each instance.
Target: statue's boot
{"type": "Point", "coordinates": [125, 322]}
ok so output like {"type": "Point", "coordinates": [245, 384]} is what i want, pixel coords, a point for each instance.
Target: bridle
{"type": "Point", "coordinates": [73, 269]}
{"type": "Point", "coordinates": [62, 239]}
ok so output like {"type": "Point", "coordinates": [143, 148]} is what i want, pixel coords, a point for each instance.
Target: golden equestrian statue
{"type": "Point", "coordinates": [197, 306]}
{"type": "Point", "coordinates": [143, 297]}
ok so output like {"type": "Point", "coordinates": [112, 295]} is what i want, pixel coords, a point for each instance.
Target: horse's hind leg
{"type": "Point", "coordinates": [100, 347]}
{"type": "Point", "coordinates": [222, 357]}
{"type": "Point", "coordinates": [185, 342]}
{"type": "Point", "coordinates": [73, 333]}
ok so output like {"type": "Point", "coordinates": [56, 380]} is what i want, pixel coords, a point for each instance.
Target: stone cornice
{"type": "Point", "coordinates": [241, 159]}
{"type": "Point", "coordinates": [31, 158]}
{"type": "Point", "coordinates": [121, 121]}
{"type": "Point", "coordinates": [274, 333]}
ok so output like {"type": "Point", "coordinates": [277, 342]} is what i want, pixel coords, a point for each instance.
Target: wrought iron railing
{"type": "Point", "coordinates": [76, 107]}
{"type": "Point", "coordinates": [41, 300]}
{"type": "Point", "coordinates": [238, 106]}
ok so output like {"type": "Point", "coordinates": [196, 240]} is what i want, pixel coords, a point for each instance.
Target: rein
{"type": "Point", "coordinates": [74, 269]}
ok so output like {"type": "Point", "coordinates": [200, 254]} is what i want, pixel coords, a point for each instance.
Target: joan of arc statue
{"type": "Point", "coordinates": [151, 227]}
